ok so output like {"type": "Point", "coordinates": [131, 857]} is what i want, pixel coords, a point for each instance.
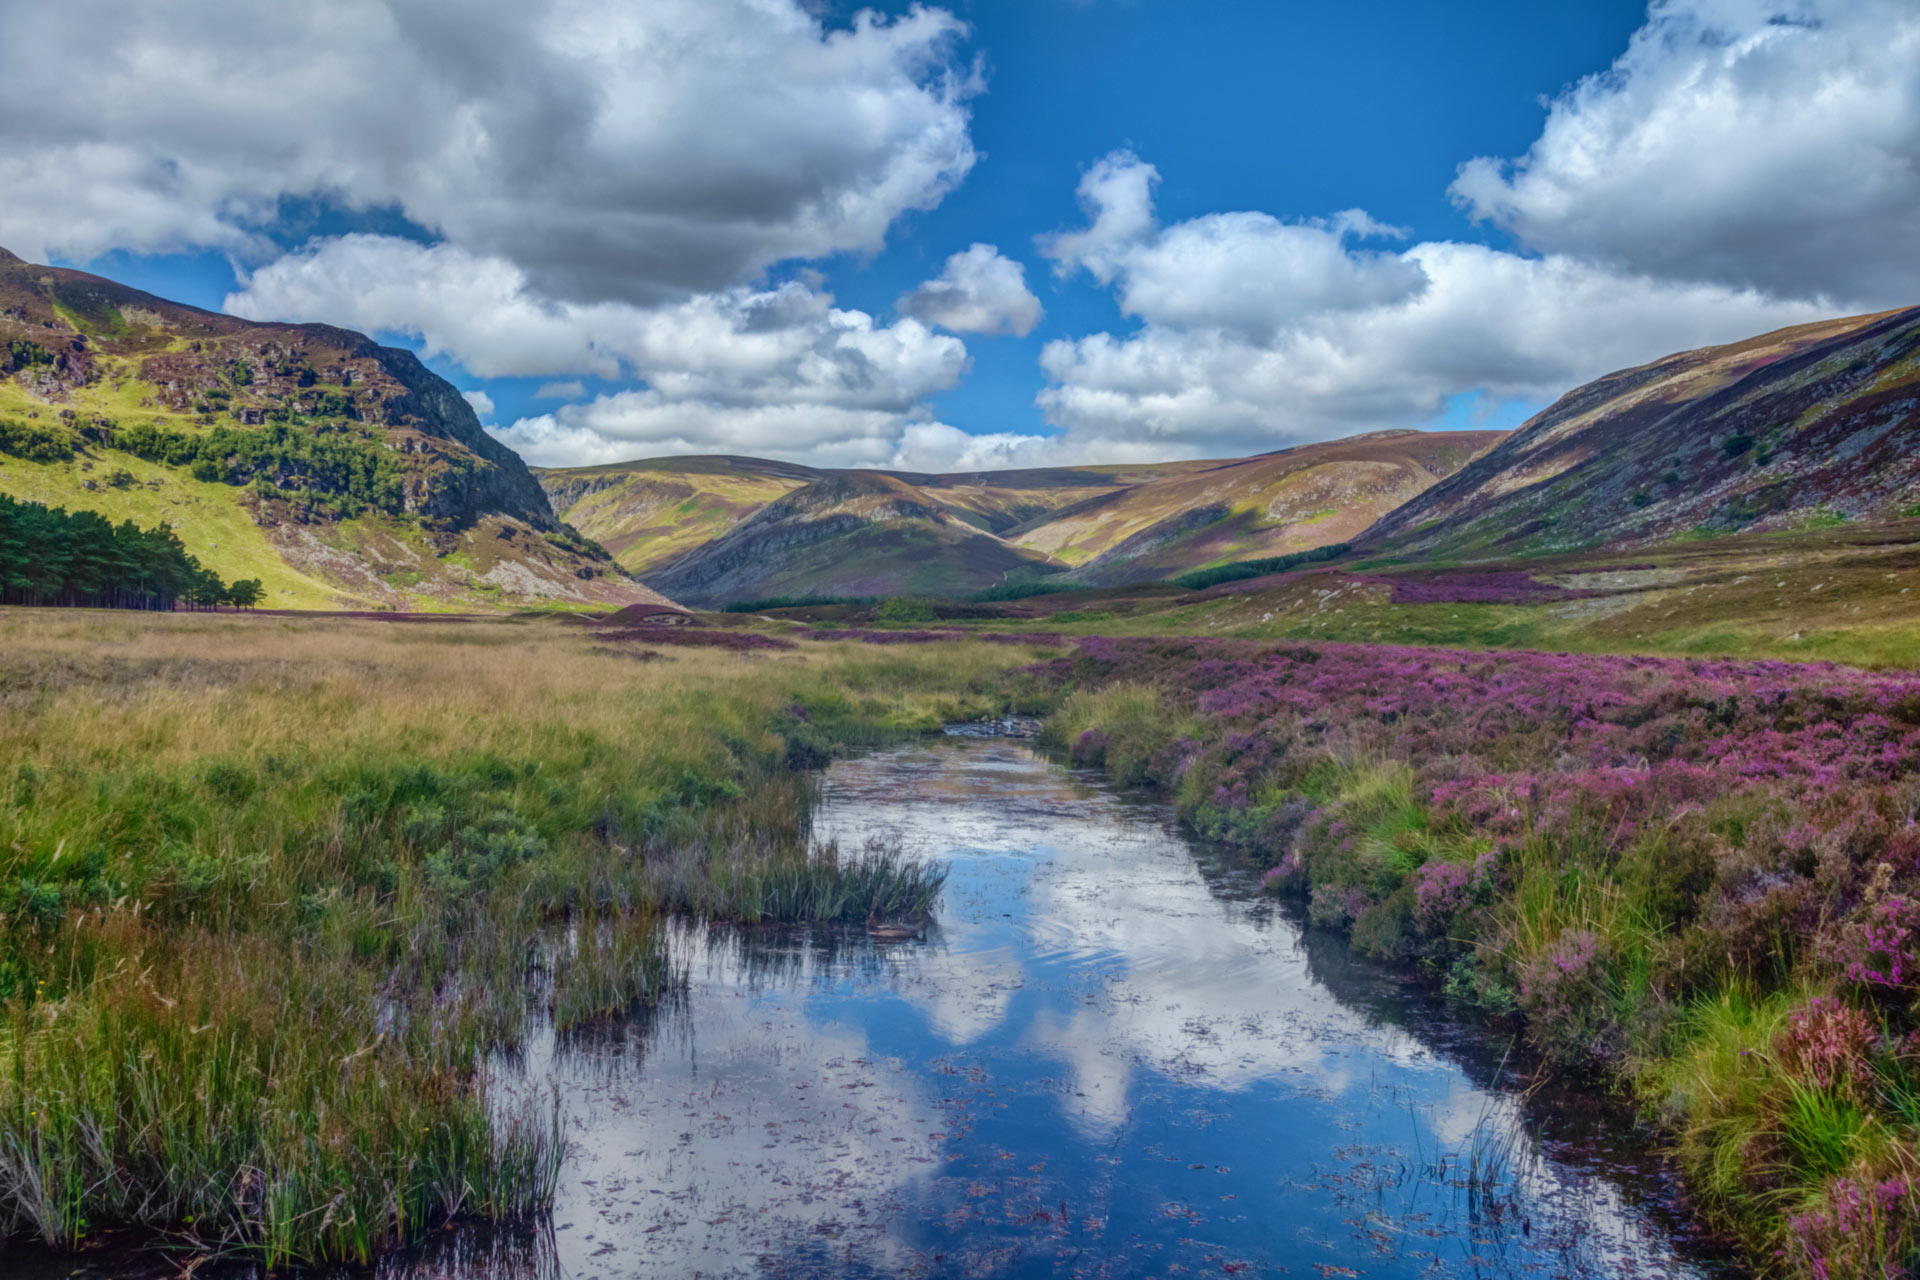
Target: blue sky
{"type": "Point", "coordinates": [674, 286]}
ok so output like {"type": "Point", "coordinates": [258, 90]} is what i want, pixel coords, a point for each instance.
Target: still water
{"type": "Point", "coordinates": [1108, 1057]}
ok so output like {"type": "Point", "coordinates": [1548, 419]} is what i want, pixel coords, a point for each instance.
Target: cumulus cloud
{"type": "Point", "coordinates": [1117, 194]}
{"type": "Point", "coordinates": [1744, 165]}
{"type": "Point", "coordinates": [607, 150]}
{"type": "Point", "coordinates": [593, 187]}
{"type": "Point", "coordinates": [777, 370]}
{"type": "Point", "coordinates": [979, 291]}
{"type": "Point", "coordinates": [571, 390]}
{"type": "Point", "coordinates": [1259, 334]}
{"type": "Point", "coordinates": [482, 403]}
{"type": "Point", "coordinates": [1771, 144]}
{"type": "Point", "coordinates": [1251, 273]}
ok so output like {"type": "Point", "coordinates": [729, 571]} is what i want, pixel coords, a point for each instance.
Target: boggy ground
{"type": "Point", "coordinates": [273, 889]}
{"type": "Point", "coordinates": [1700, 878]}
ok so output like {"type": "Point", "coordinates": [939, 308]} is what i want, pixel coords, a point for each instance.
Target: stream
{"type": "Point", "coordinates": [1109, 1056]}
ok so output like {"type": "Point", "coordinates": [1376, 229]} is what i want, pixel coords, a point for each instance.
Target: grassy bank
{"type": "Point", "coordinates": [271, 891]}
{"type": "Point", "coordinates": [1699, 879]}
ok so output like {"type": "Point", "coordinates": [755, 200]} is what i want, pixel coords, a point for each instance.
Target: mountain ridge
{"type": "Point", "coordinates": [683, 523]}
{"type": "Point", "coordinates": [1808, 424]}
{"type": "Point", "coordinates": [348, 472]}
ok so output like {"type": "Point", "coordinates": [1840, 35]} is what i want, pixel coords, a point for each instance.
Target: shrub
{"type": "Point", "coordinates": [34, 442]}
{"type": "Point", "coordinates": [1201, 579]}
{"type": "Point", "coordinates": [904, 609]}
{"type": "Point", "coordinates": [1829, 1045]}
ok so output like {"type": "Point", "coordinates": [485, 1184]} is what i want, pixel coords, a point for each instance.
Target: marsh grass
{"type": "Point", "coordinates": [273, 892]}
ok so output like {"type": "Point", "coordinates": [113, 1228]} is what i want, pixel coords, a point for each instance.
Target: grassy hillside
{"type": "Point", "coordinates": [675, 520]}
{"type": "Point", "coordinates": [1807, 427]}
{"type": "Point", "coordinates": [1250, 508]}
{"type": "Point", "coordinates": [217, 531]}
{"type": "Point", "coordinates": [652, 512]}
{"type": "Point", "coordinates": [848, 534]}
{"type": "Point", "coordinates": [999, 501]}
{"type": "Point", "coordinates": [340, 472]}
{"type": "Point", "coordinates": [1845, 594]}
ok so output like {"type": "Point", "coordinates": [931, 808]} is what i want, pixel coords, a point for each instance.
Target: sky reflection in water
{"type": "Point", "coordinates": [1103, 1061]}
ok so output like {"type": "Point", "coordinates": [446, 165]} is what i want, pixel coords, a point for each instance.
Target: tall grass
{"type": "Point", "coordinates": [272, 892]}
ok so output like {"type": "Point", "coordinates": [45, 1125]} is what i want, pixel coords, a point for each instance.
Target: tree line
{"type": "Point", "coordinates": [51, 556]}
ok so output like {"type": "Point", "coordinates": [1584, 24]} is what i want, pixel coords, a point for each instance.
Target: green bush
{"type": "Point", "coordinates": [904, 609]}
{"type": "Point", "coordinates": [1201, 579]}
{"type": "Point", "coordinates": [34, 442]}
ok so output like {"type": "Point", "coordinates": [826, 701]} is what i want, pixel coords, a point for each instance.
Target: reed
{"type": "Point", "coordinates": [273, 892]}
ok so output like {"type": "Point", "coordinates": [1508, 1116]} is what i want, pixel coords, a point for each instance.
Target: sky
{"type": "Point", "coordinates": [994, 233]}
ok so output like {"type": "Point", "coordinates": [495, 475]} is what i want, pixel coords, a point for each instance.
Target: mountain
{"type": "Point", "coordinates": [715, 529]}
{"type": "Point", "coordinates": [1812, 426]}
{"type": "Point", "coordinates": [854, 533]}
{"type": "Point", "coordinates": [651, 512]}
{"type": "Point", "coordinates": [1250, 508]}
{"type": "Point", "coordinates": [343, 473]}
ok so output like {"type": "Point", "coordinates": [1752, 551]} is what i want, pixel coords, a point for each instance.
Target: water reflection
{"type": "Point", "coordinates": [1103, 1060]}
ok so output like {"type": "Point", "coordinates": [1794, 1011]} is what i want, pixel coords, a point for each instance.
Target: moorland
{"type": "Point", "coordinates": [1607, 727]}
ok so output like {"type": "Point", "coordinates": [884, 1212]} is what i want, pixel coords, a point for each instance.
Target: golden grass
{"type": "Point", "coordinates": [272, 888]}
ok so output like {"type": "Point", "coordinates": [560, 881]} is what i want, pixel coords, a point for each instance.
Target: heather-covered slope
{"type": "Point", "coordinates": [340, 472]}
{"type": "Point", "coordinates": [856, 533]}
{"type": "Point", "coordinates": [1809, 426]}
{"type": "Point", "coordinates": [1250, 508]}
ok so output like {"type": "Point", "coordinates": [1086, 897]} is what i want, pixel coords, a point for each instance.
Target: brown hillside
{"type": "Point", "coordinates": [1803, 427]}
{"type": "Point", "coordinates": [1249, 508]}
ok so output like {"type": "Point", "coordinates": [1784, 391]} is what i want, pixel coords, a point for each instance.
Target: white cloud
{"type": "Point", "coordinates": [1259, 334]}
{"type": "Point", "coordinates": [606, 150]}
{"type": "Point", "coordinates": [778, 371]}
{"type": "Point", "coordinates": [572, 390]}
{"type": "Point", "coordinates": [979, 291]}
{"type": "Point", "coordinates": [482, 403]}
{"type": "Point", "coordinates": [1251, 273]}
{"type": "Point", "coordinates": [602, 187]}
{"type": "Point", "coordinates": [1772, 144]}
{"type": "Point", "coordinates": [1117, 193]}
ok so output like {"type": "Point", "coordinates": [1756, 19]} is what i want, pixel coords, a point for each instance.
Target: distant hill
{"type": "Point", "coordinates": [1250, 508]}
{"type": "Point", "coordinates": [718, 529]}
{"type": "Point", "coordinates": [651, 512]}
{"type": "Point", "coordinates": [1807, 427]}
{"type": "Point", "coordinates": [855, 533]}
{"type": "Point", "coordinates": [340, 472]}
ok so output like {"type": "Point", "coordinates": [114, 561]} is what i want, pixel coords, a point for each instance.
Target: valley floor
{"type": "Point", "coordinates": [1694, 877]}
{"type": "Point", "coordinates": [273, 889]}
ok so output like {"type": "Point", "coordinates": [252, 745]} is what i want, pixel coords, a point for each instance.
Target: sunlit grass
{"type": "Point", "coordinates": [272, 890]}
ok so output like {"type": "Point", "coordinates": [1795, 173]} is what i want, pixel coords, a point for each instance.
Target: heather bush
{"type": "Point", "coordinates": [1829, 1045]}
{"type": "Point", "coordinates": [1702, 875]}
{"type": "Point", "coordinates": [1859, 1230]}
